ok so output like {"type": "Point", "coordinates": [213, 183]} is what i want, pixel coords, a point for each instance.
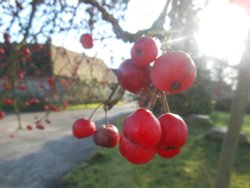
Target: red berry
{"type": "Point", "coordinates": [46, 107]}
{"type": "Point", "coordinates": [21, 74]}
{"type": "Point", "coordinates": [2, 114]}
{"type": "Point", "coordinates": [51, 80]}
{"type": "Point", "coordinates": [40, 126]}
{"type": "Point", "coordinates": [83, 128]}
{"type": "Point", "coordinates": [26, 53]}
{"type": "Point", "coordinates": [134, 153]}
{"type": "Point", "coordinates": [107, 136]}
{"type": "Point", "coordinates": [47, 121]}
{"type": "Point", "coordinates": [34, 101]}
{"type": "Point", "coordinates": [173, 72]}
{"type": "Point", "coordinates": [8, 101]}
{"type": "Point", "coordinates": [133, 78]}
{"type": "Point", "coordinates": [21, 87]}
{"type": "Point", "coordinates": [87, 41]}
{"type": "Point", "coordinates": [36, 47]}
{"type": "Point", "coordinates": [144, 51]}
{"type": "Point", "coordinates": [6, 37]}
{"type": "Point", "coordinates": [2, 51]}
{"type": "Point", "coordinates": [142, 128]}
{"type": "Point", "coordinates": [168, 152]}
{"type": "Point", "coordinates": [29, 127]}
{"type": "Point", "coordinates": [174, 131]}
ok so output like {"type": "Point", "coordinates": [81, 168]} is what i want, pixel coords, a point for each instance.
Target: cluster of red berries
{"type": "Point", "coordinates": [171, 72]}
{"type": "Point", "coordinates": [105, 136]}
{"type": "Point", "coordinates": [144, 135]}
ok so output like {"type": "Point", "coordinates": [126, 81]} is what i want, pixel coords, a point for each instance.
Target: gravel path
{"type": "Point", "coordinates": [39, 158]}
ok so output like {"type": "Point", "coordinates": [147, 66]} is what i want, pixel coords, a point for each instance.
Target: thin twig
{"type": "Point", "coordinates": [164, 102]}
{"type": "Point", "coordinates": [91, 115]}
{"type": "Point", "coordinates": [152, 100]}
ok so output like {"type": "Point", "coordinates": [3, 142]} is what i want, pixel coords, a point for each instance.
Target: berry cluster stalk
{"type": "Point", "coordinates": [164, 102]}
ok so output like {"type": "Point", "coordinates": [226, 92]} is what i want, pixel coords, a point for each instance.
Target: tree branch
{"type": "Point", "coordinates": [160, 21]}
{"type": "Point", "coordinates": [154, 30]}
{"type": "Point", "coordinates": [27, 28]}
{"type": "Point", "coordinates": [120, 33]}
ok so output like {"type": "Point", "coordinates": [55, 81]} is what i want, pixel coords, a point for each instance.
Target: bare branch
{"type": "Point", "coordinates": [120, 33]}
{"type": "Point", "coordinates": [154, 30]}
{"type": "Point", "coordinates": [160, 21]}
{"type": "Point", "coordinates": [33, 11]}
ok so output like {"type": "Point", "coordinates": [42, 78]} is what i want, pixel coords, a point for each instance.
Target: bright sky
{"type": "Point", "coordinates": [223, 31]}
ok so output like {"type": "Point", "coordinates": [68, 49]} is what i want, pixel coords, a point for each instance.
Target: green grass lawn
{"type": "Point", "coordinates": [82, 106]}
{"type": "Point", "coordinates": [195, 167]}
{"type": "Point", "coordinates": [222, 118]}
{"type": "Point", "coordinates": [87, 105]}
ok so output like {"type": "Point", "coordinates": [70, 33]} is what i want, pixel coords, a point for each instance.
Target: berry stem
{"type": "Point", "coordinates": [112, 93]}
{"type": "Point", "coordinates": [152, 100]}
{"type": "Point", "coordinates": [164, 102]}
{"type": "Point", "coordinates": [91, 115]}
{"type": "Point", "coordinates": [106, 117]}
{"type": "Point", "coordinates": [107, 105]}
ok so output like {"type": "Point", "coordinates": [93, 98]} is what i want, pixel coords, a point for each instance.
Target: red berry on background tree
{"type": "Point", "coordinates": [83, 128]}
{"type": "Point", "coordinates": [144, 51]}
{"type": "Point", "coordinates": [29, 127]}
{"type": "Point", "coordinates": [173, 72]}
{"type": "Point", "coordinates": [2, 114]}
{"type": "Point", "coordinates": [6, 37]}
{"type": "Point", "coordinates": [87, 41]}
{"type": "Point", "coordinates": [8, 102]}
{"type": "Point", "coordinates": [25, 53]}
{"type": "Point", "coordinates": [135, 153]}
{"type": "Point", "coordinates": [142, 128]}
{"type": "Point", "coordinates": [106, 136]}
{"type": "Point", "coordinates": [2, 51]}
{"type": "Point", "coordinates": [174, 131]}
{"type": "Point", "coordinates": [133, 78]}
{"type": "Point", "coordinates": [40, 126]}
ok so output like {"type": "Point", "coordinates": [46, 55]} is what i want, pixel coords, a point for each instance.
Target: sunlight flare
{"type": "Point", "coordinates": [223, 32]}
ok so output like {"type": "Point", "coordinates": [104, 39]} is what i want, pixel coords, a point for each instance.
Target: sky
{"type": "Point", "coordinates": [223, 31]}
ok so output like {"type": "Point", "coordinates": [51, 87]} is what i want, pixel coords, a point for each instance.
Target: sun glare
{"type": "Point", "coordinates": [223, 31]}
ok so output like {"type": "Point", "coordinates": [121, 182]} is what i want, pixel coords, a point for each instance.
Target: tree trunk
{"type": "Point", "coordinates": [231, 140]}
